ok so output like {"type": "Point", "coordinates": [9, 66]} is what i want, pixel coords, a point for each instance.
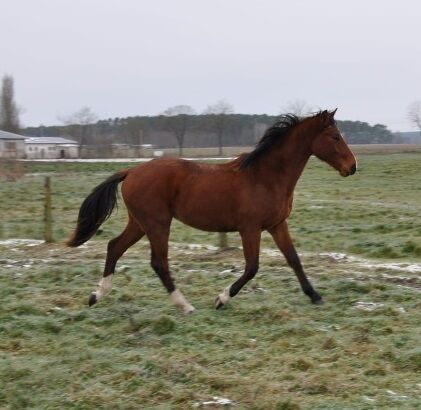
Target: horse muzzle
{"type": "Point", "coordinates": [350, 171]}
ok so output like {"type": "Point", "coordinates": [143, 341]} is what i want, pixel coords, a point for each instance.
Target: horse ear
{"type": "Point", "coordinates": [332, 113]}
{"type": "Point", "coordinates": [326, 118]}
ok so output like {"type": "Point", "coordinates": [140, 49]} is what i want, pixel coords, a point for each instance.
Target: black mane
{"type": "Point", "coordinates": [271, 137]}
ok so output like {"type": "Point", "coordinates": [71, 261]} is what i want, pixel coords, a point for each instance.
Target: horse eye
{"type": "Point", "coordinates": [335, 137]}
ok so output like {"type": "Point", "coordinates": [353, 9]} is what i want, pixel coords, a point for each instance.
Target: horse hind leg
{"type": "Point", "coordinates": [115, 249]}
{"type": "Point", "coordinates": [158, 237]}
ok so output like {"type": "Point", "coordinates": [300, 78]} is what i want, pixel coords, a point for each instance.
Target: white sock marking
{"type": "Point", "coordinates": [181, 302]}
{"type": "Point", "coordinates": [224, 297]}
{"type": "Point", "coordinates": [104, 287]}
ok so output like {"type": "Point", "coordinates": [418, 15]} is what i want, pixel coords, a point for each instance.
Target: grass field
{"type": "Point", "coordinates": [360, 241]}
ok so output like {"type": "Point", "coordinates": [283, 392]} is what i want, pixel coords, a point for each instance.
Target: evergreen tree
{"type": "Point", "coordinates": [9, 113]}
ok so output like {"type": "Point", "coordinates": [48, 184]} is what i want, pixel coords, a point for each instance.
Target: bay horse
{"type": "Point", "coordinates": [250, 194]}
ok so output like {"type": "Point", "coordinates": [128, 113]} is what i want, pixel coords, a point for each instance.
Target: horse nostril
{"type": "Point", "coordinates": [353, 169]}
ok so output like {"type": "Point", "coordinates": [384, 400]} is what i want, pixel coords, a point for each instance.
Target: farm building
{"type": "Point", "coordinates": [11, 145]}
{"type": "Point", "coordinates": [51, 148]}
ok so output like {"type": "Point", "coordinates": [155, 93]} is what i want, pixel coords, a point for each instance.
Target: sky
{"type": "Point", "coordinates": [134, 57]}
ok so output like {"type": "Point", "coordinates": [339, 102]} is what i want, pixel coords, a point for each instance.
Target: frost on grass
{"type": "Point", "coordinates": [169, 350]}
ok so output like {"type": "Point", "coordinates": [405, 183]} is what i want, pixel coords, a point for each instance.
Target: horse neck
{"type": "Point", "coordinates": [285, 163]}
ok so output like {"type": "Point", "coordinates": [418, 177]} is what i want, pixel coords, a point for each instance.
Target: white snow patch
{"type": "Point", "coordinates": [368, 399]}
{"type": "Point", "coordinates": [336, 256]}
{"type": "Point", "coordinates": [368, 305]}
{"type": "Point", "coordinates": [365, 263]}
{"type": "Point", "coordinates": [328, 328]}
{"type": "Point", "coordinates": [222, 401]}
{"type": "Point", "coordinates": [27, 242]}
{"type": "Point", "coordinates": [271, 252]}
{"type": "Point", "coordinates": [396, 395]}
{"type": "Point", "coordinates": [194, 246]}
{"type": "Point", "coordinates": [412, 267]}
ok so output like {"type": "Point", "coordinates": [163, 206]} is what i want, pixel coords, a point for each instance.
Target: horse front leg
{"type": "Point", "coordinates": [251, 246]}
{"type": "Point", "coordinates": [282, 239]}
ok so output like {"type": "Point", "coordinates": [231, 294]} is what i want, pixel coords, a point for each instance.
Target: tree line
{"type": "Point", "coordinates": [181, 126]}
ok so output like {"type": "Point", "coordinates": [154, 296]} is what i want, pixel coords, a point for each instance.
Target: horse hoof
{"type": "Point", "coordinates": [218, 303]}
{"type": "Point", "coordinates": [189, 311]}
{"type": "Point", "coordinates": [92, 299]}
{"type": "Point", "coordinates": [318, 301]}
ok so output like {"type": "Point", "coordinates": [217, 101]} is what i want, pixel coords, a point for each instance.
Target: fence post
{"type": "Point", "coordinates": [48, 234]}
{"type": "Point", "coordinates": [222, 240]}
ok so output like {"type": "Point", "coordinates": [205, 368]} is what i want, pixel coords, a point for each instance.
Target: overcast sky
{"type": "Point", "coordinates": [134, 57]}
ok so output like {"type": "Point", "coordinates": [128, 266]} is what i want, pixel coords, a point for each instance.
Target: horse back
{"type": "Point", "coordinates": [211, 197]}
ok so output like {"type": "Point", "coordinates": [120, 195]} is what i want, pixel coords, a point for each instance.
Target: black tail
{"type": "Point", "coordinates": [95, 209]}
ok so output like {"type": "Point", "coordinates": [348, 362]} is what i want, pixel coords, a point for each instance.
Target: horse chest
{"type": "Point", "coordinates": [275, 212]}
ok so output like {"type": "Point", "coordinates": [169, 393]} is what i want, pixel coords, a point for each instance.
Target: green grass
{"type": "Point", "coordinates": [374, 213]}
{"type": "Point", "coordinates": [269, 349]}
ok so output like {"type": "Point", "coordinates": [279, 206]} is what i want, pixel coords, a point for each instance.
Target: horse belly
{"type": "Point", "coordinates": [209, 226]}
{"type": "Point", "coordinates": [212, 210]}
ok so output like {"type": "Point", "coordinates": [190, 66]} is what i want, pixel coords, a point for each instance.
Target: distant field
{"type": "Point", "coordinates": [358, 149]}
{"type": "Point", "coordinates": [386, 148]}
{"type": "Point", "coordinates": [235, 151]}
{"type": "Point", "coordinates": [360, 240]}
{"type": "Point", "coordinates": [374, 213]}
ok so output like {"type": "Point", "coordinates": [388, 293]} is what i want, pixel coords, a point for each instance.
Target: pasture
{"type": "Point", "coordinates": [360, 242]}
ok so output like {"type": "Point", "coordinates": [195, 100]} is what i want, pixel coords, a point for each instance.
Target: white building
{"type": "Point", "coordinates": [11, 145]}
{"type": "Point", "coordinates": [51, 148]}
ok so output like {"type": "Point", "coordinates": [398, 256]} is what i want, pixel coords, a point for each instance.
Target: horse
{"type": "Point", "coordinates": [250, 194]}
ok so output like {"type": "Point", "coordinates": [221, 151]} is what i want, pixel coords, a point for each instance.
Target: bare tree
{"type": "Point", "coordinates": [219, 119]}
{"type": "Point", "coordinates": [219, 122]}
{"type": "Point", "coordinates": [79, 123]}
{"type": "Point", "coordinates": [9, 112]}
{"type": "Point", "coordinates": [414, 114]}
{"type": "Point", "coordinates": [297, 107]}
{"type": "Point", "coordinates": [178, 121]}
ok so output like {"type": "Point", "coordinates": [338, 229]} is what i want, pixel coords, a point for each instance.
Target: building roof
{"type": "Point", "coordinates": [50, 140]}
{"type": "Point", "coordinates": [4, 135]}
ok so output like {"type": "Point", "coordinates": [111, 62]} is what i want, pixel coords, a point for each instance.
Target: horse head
{"type": "Point", "coordinates": [330, 146]}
